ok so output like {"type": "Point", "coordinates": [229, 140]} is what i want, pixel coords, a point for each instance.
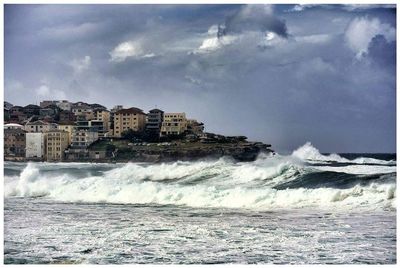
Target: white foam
{"type": "Point", "coordinates": [227, 186]}
{"type": "Point", "coordinates": [309, 153]}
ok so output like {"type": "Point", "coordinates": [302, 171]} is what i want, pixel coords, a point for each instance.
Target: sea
{"type": "Point", "coordinates": [302, 208]}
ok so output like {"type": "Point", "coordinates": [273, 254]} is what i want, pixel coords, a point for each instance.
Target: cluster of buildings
{"type": "Point", "coordinates": [62, 130]}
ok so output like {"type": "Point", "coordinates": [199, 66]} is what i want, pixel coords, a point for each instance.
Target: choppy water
{"type": "Point", "coordinates": [302, 208]}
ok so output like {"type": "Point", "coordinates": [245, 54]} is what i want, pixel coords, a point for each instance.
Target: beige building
{"type": "Point", "coordinates": [56, 143]}
{"type": "Point", "coordinates": [104, 116]}
{"type": "Point", "coordinates": [68, 127]}
{"type": "Point", "coordinates": [131, 118]}
{"type": "Point", "coordinates": [173, 124]}
{"type": "Point", "coordinates": [39, 126]}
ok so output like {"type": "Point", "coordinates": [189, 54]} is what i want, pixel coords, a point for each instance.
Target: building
{"type": "Point", "coordinates": [154, 121]}
{"type": "Point", "coordinates": [92, 125]}
{"type": "Point", "coordinates": [66, 116]}
{"type": "Point", "coordinates": [104, 116]}
{"type": "Point", "coordinates": [194, 127]}
{"type": "Point", "coordinates": [64, 105]}
{"type": "Point", "coordinates": [81, 140]}
{"type": "Point", "coordinates": [14, 142]}
{"type": "Point", "coordinates": [7, 105]}
{"type": "Point", "coordinates": [56, 143]}
{"type": "Point", "coordinates": [112, 113]}
{"type": "Point", "coordinates": [31, 110]}
{"type": "Point", "coordinates": [96, 106]}
{"type": "Point", "coordinates": [13, 126]}
{"type": "Point", "coordinates": [82, 111]}
{"type": "Point", "coordinates": [50, 110]}
{"type": "Point", "coordinates": [44, 104]}
{"type": "Point", "coordinates": [131, 118]}
{"type": "Point", "coordinates": [35, 148]}
{"type": "Point", "coordinates": [40, 126]}
{"type": "Point", "coordinates": [173, 124]}
{"type": "Point", "coordinates": [68, 127]}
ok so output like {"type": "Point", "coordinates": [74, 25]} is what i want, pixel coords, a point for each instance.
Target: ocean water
{"type": "Point", "coordinates": [304, 208]}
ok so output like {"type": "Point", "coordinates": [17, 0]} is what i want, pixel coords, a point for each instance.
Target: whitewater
{"type": "Point", "coordinates": [313, 195]}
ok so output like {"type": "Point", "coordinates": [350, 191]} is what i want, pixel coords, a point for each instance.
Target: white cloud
{"type": "Point", "coordinates": [129, 49]}
{"type": "Point", "coordinates": [44, 91]}
{"type": "Point", "coordinates": [314, 38]}
{"type": "Point", "coordinates": [215, 43]}
{"type": "Point", "coordinates": [362, 29]}
{"type": "Point", "coordinates": [80, 65]}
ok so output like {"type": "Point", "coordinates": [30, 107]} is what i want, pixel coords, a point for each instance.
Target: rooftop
{"type": "Point", "coordinates": [132, 110]}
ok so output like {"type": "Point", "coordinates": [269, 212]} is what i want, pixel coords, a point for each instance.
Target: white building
{"type": "Point", "coordinates": [13, 126]}
{"type": "Point", "coordinates": [64, 105]}
{"type": "Point", "coordinates": [34, 145]}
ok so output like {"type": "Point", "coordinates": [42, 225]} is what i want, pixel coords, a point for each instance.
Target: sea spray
{"type": "Point", "coordinates": [270, 182]}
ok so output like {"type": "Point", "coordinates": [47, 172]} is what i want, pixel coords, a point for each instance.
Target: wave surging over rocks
{"type": "Point", "coordinates": [270, 182]}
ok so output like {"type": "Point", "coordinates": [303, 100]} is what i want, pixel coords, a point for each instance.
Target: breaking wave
{"type": "Point", "coordinates": [270, 182]}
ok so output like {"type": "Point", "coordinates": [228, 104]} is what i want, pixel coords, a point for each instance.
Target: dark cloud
{"type": "Point", "coordinates": [255, 17]}
{"type": "Point", "coordinates": [382, 52]}
{"type": "Point", "coordinates": [302, 83]}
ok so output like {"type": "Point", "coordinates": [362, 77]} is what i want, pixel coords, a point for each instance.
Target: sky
{"type": "Point", "coordinates": [280, 74]}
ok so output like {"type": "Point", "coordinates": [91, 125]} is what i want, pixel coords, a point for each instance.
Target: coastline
{"type": "Point", "coordinates": [153, 153]}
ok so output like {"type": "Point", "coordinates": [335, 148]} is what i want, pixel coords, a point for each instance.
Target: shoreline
{"type": "Point", "coordinates": [125, 152]}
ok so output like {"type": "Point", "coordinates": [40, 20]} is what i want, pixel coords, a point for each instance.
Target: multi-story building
{"type": "Point", "coordinates": [68, 127]}
{"type": "Point", "coordinates": [45, 103]}
{"type": "Point", "coordinates": [35, 148]}
{"type": "Point", "coordinates": [82, 111]}
{"type": "Point", "coordinates": [64, 105]}
{"type": "Point", "coordinates": [195, 127]}
{"type": "Point", "coordinates": [154, 121]}
{"type": "Point", "coordinates": [16, 114]}
{"type": "Point", "coordinates": [173, 124]}
{"type": "Point", "coordinates": [112, 113]}
{"type": "Point", "coordinates": [31, 110]}
{"type": "Point", "coordinates": [81, 140]}
{"type": "Point", "coordinates": [66, 116]}
{"type": "Point", "coordinates": [131, 118]}
{"type": "Point", "coordinates": [14, 142]}
{"type": "Point", "coordinates": [50, 110]}
{"type": "Point", "coordinates": [104, 116]}
{"type": "Point", "coordinates": [56, 143]}
{"type": "Point", "coordinates": [40, 126]}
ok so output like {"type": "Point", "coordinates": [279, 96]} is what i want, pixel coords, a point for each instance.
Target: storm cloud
{"type": "Point", "coordinates": [279, 74]}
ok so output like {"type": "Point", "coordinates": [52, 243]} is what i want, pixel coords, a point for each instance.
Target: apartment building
{"type": "Point", "coordinates": [56, 143]}
{"type": "Point", "coordinates": [35, 147]}
{"type": "Point", "coordinates": [14, 142]}
{"type": "Point", "coordinates": [173, 124]}
{"type": "Point", "coordinates": [154, 121]}
{"type": "Point", "coordinates": [68, 127]}
{"type": "Point", "coordinates": [39, 126]}
{"type": "Point", "coordinates": [131, 118]}
{"type": "Point", "coordinates": [103, 116]}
